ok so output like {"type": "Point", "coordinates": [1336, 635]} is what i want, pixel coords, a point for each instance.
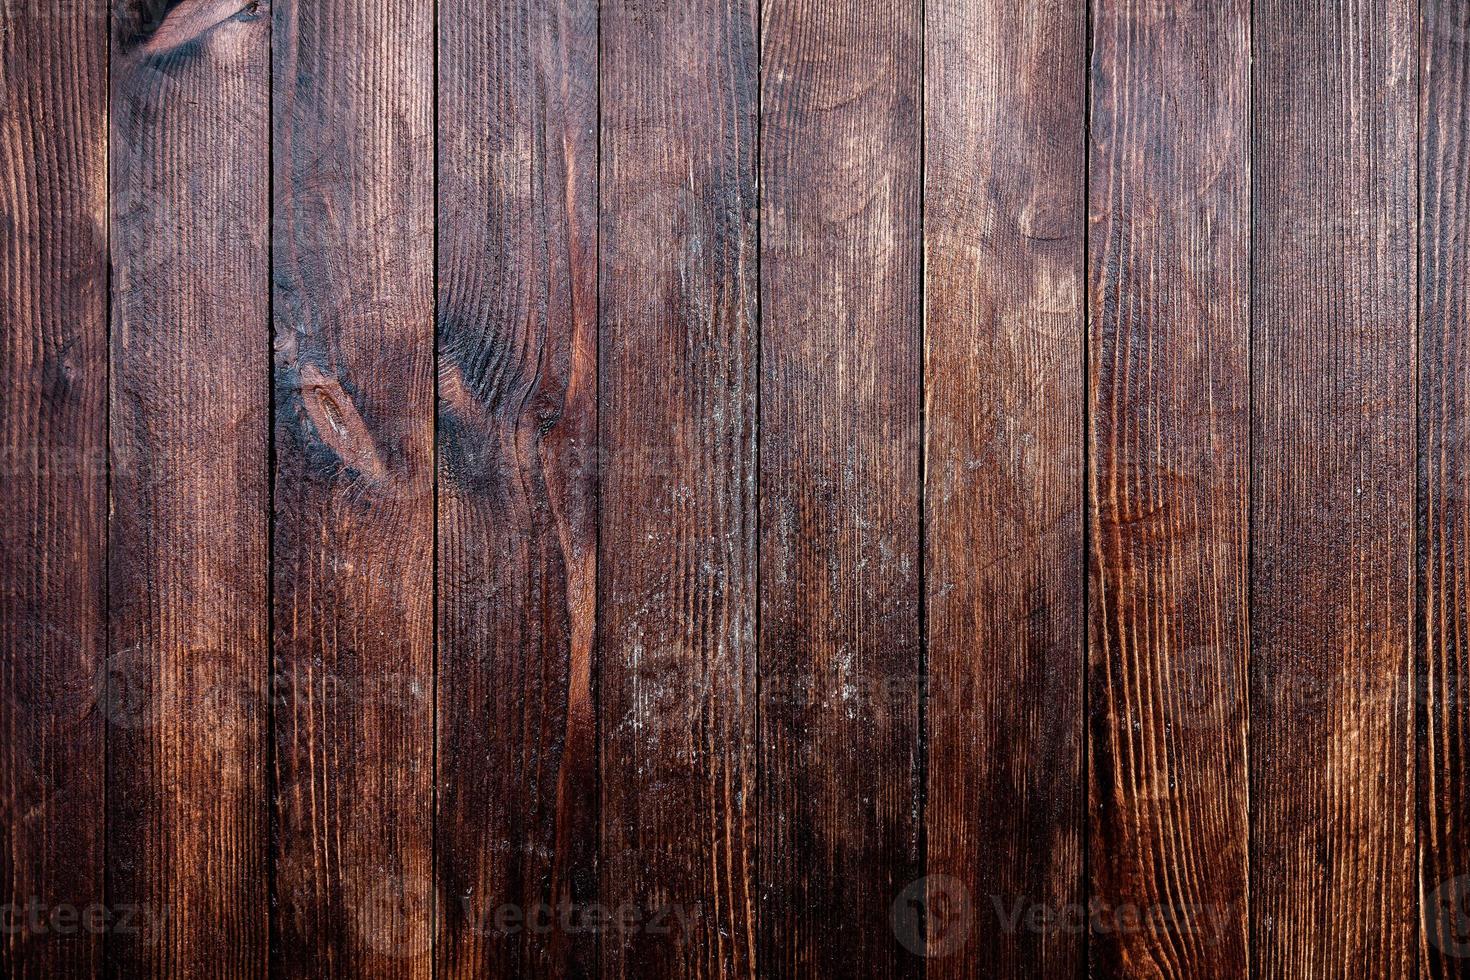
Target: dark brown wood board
{"type": "Point", "coordinates": [841, 803]}
{"type": "Point", "coordinates": [516, 827]}
{"type": "Point", "coordinates": [677, 590]}
{"type": "Point", "coordinates": [353, 549]}
{"type": "Point", "coordinates": [1443, 674]}
{"type": "Point", "coordinates": [188, 537]}
{"type": "Point", "coordinates": [1004, 175]}
{"type": "Point", "coordinates": [1169, 477]}
{"type": "Point", "coordinates": [53, 464]}
{"type": "Point", "coordinates": [1331, 748]}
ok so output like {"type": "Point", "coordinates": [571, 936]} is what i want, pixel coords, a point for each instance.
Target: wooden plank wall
{"type": "Point", "coordinates": [734, 488]}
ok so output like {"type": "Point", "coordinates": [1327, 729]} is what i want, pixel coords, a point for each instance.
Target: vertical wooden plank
{"type": "Point", "coordinates": [1169, 410]}
{"type": "Point", "coordinates": [187, 816]}
{"type": "Point", "coordinates": [1331, 742]}
{"type": "Point", "coordinates": [841, 792]}
{"type": "Point", "coordinates": [678, 429]}
{"type": "Point", "coordinates": [354, 538]}
{"type": "Point", "coordinates": [517, 763]}
{"type": "Point", "coordinates": [1003, 232]}
{"type": "Point", "coordinates": [1444, 490]}
{"type": "Point", "coordinates": [53, 458]}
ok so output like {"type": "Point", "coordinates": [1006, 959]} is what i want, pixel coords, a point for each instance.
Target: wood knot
{"type": "Point", "coordinates": [338, 423]}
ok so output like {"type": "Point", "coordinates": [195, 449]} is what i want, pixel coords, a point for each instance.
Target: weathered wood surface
{"type": "Point", "coordinates": [353, 704]}
{"type": "Point", "coordinates": [677, 586]}
{"type": "Point", "coordinates": [53, 468]}
{"type": "Point", "coordinates": [517, 759]}
{"type": "Point", "coordinates": [1443, 665]}
{"type": "Point", "coordinates": [734, 488]}
{"type": "Point", "coordinates": [1332, 534]}
{"type": "Point", "coordinates": [187, 674]}
{"type": "Point", "coordinates": [1169, 411]}
{"type": "Point", "coordinates": [1005, 139]}
{"type": "Point", "coordinates": [841, 780]}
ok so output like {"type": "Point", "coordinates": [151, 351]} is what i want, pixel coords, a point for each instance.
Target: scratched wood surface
{"type": "Point", "coordinates": [1442, 688]}
{"type": "Point", "coordinates": [841, 807]}
{"type": "Point", "coordinates": [1169, 434]}
{"type": "Point", "coordinates": [1003, 234]}
{"type": "Point", "coordinates": [353, 549]}
{"type": "Point", "coordinates": [517, 232]}
{"type": "Point", "coordinates": [188, 666]}
{"type": "Point", "coordinates": [53, 464]}
{"type": "Point", "coordinates": [677, 586]}
{"type": "Point", "coordinates": [734, 488]}
{"type": "Point", "coordinates": [1332, 880]}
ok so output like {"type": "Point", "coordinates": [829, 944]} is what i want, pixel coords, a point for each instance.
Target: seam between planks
{"type": "Point", "coordinates": [434, 504]}
{"type": "Point", "coordinates": [272, 788]}
{"type": "Point", "coordinates": [1085, 660]}
{"type": "Point", "coordinates": [921, 768]}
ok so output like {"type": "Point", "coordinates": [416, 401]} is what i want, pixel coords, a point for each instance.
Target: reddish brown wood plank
{"type": "Point", "coordinates": [53, 458]}
{"type": "Point", "coordinates": [1169, 407]}
{"type": "Point", "coordinates": [678, 431]}
{"type": "Point", "coordinates": [1003, 229]}
{"type": "Point", "coordinates": [841, 787]}
{"type": "Point", "coordinates": [1331, 742]}
{"type": "Point", "coordinates": [517, 763]}
{"type": "Point", "coordinates": [354, 513]}
{"type": "Point", "coordinates": [187, 815]}
{"type": "Point", "coordinates": [1444, 491]}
